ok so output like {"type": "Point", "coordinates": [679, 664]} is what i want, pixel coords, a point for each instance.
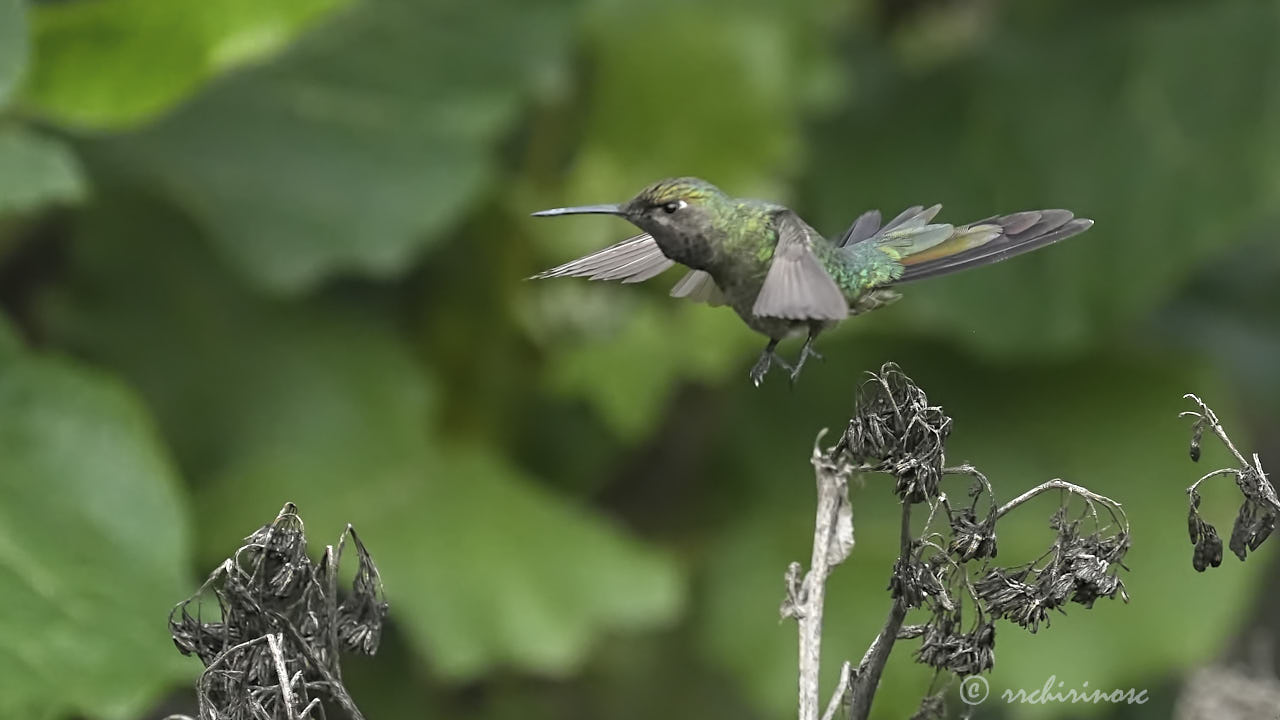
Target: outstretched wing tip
{"type": "Point", "coordinates": [635, 259]}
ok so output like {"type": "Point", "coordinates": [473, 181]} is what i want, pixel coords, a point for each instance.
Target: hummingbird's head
{"type": "Point", "coordinates": [680, 214]}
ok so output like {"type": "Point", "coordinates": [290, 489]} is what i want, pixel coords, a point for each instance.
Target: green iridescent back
{"type": "Point", "coordinates": [859, 267]}
{"type": "Point", "coordinates": [748, 239]}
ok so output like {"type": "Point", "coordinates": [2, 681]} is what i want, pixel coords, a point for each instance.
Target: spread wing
{"type": "Point", "coordinates": [797, 287]}
{"type": "Point", "coordinates": [633, 260]}
{"type": "Point", "coordinates": [699, 286]}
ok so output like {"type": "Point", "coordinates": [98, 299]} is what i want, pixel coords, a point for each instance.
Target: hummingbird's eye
{"type": "Point", "coordinates": [673, 206]}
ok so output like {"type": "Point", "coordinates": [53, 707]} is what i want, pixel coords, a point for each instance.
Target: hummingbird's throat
{"type": "Point", "coordinates": [689, 249]}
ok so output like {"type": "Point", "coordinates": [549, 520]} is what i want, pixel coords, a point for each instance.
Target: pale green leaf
{"type": "Point", "coordinates": [107, 64]}
{"type": "Point", "coordinates": [94, 548]}
{"type": "Point", "coordinates": [361, 146]}
{"type": "Point", "coordinates": [13, 45]}
{"type": "Point", "coordinates": [35, 170]}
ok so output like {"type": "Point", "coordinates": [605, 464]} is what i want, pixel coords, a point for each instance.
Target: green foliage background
{"type": "Point", "coordinates": [253, 252]}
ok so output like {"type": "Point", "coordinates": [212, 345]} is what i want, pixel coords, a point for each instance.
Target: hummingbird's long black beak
{"type": "Point", "coordinates": [582, 210]}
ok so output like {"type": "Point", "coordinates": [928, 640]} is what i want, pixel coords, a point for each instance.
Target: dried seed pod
{"type": "Point", "coordinates": [895, 430]}
{"type": "Point", "coordinates": [1006, 596]}
{"type": "Point", "coordinates": [1199, 560]}
{"type": "Point", "coordinates": [276, 608]}
{"type": "Point", "coordinates": [1266, 524]}
{"type": "Point", "coordinates": [1208, 551]}
{"type": "Point", "coordinates": [1242, 529]}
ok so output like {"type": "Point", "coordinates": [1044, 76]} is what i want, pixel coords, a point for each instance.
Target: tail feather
{"type": "Point", "coordinates": [992, 240]}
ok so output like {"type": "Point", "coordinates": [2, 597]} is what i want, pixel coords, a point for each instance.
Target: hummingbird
{"type": "Point", "coordinates": [781, 276]}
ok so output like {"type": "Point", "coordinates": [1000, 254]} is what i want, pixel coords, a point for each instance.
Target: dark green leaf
{"type": "Point", "coordinates": [1173, 153]}
{"type": "Point", "coordinates": [10, 344]}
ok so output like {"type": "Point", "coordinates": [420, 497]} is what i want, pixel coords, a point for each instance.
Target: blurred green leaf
{"type": "Point", "coordinates": [10, 344]}
{"type": "Point", "coordinates": [13, 45]}
{"type": "Point", "coordinates": [34, 170]}
{"type": "Point", "coordinates": [1107, 424]}
{"type": "Point", "coordinates": [93, 544]}
{"type": "Point", "coordinates": [1234, 322]}
{"type": "Point", "coordinates": [1120, 124]}
{"type": "Point", "coordinates": [660, 114]}
{"type": "Point", "coordinates": [361, 146]}
{"type": "Point", "coordinates": [628, 376]}
{"type": "Point", "coordinates": [324, 406]}
{"type": "Point", "coordinates": [109, 64]}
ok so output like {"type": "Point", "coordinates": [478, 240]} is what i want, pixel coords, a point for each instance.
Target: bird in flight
{"type": "Point", "coordinates": [780, 275]}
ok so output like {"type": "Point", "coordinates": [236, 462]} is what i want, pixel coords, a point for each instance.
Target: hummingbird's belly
{"type": "Point", "coordinates": [742, 298]}
{"type": "Point", "coordinates": [781, 328]}
{"type": "Point", "coordinates": [773, 327]}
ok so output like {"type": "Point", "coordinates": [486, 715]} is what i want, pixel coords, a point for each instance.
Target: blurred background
{"type": "Point", "coordinates": [253, 252]}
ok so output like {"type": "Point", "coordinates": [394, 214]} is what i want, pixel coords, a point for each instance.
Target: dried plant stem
{"type": "Point", "coordinates": [334, 684]}
{"type": "Point", "coordinates": [896, 431]}
{"type": "Point", "coordinates": [275, 645]}
{"type": "Point", "coordinates": [867, 677]}
{"type": "Point", "coordinates": [841, 693]}
{"type": "Point", "coordinates": [1089, 496]}
{"type": "Point", "coordinates": [832, 542]}
{"type": "Point", "coordinates": [1211, 419]}
{"type": "Point", "coordinates": [1208, 418]}
{"type": "Point", "coordinates": [813, 592]}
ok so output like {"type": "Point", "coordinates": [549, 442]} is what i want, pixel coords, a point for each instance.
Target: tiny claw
{"type": "Point", "coordinates": [765, 363]}
{"type": "Point", "coordinates": [760, 369]}
{"type": "Point", "coordinates": [806, 352]}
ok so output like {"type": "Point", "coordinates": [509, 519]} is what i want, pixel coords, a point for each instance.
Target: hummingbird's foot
{"type": "Point", "coordinates": [768, 357]}
{"type": "Point", "coordinates": [806, 352]}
